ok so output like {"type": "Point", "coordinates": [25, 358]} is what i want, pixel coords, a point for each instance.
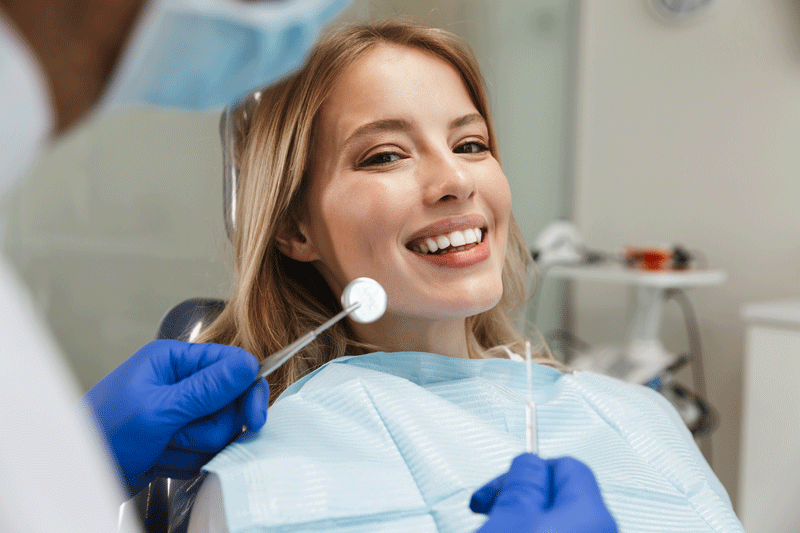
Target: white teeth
{"type": "Point", "coordinates": [457, 239]}
{"type": "Point", "coordinates": [469, 236]}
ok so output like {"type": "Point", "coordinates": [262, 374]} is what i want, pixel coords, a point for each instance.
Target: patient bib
{"type": "Point", "coordinates": [400, 441]}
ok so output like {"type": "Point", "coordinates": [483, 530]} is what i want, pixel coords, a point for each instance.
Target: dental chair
{"type": "Point", "coordinates": [185, 321]}
{"type": "Point", "coordinates": [182, 322]}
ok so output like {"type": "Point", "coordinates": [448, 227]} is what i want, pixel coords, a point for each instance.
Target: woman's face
{"type": "Point", "coordinates": [403, 188]}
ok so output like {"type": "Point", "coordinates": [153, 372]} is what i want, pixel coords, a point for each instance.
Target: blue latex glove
{"type": "Point", "coordinates": [543, 496]}
{"type": "Point", "coordinates": [167, 410]}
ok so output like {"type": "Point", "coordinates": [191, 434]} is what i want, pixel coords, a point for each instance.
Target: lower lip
{"type": "Point", "coordinates": [462, 259]}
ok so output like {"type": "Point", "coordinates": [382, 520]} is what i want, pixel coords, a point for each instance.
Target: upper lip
{"type": "Point", "coordinates": [446, 226]}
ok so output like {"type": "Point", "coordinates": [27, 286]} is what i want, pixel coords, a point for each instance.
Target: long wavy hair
{"type": "Point", "coordinates": [276, 299]}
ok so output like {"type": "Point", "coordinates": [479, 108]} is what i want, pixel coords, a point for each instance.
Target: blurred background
{"type": "Point", "coordinates": [638, 127]}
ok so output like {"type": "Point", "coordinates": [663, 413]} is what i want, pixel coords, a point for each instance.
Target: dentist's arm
{"type": "Point", "coordinates": [543, 495]}
{"type": "Point", "coordinates": [167, 410]}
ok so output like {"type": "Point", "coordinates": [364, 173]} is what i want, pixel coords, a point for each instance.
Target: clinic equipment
{"type": "Point", "coordinates": [363, 299]}
{"type": "Point", "coordinates": [655, 275]}
{"type": "Point", "coordinates": [559, 243]}
{"type": "Point", "coordinates": [530, 407]}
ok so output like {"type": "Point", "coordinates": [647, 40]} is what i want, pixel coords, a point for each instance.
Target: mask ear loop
{"type": "Point", "coordinates": [233, 121]}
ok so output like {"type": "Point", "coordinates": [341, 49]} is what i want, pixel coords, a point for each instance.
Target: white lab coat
{"type": "Point", "coordinates": [55, 472]}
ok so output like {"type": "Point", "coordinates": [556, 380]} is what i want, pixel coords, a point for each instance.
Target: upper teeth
{"type": "Point", "coordinates": [455, 239]}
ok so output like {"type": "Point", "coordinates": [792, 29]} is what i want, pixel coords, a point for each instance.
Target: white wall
{"type": "Point", "coordinates": [119, 222]}
{"type": "Point", "coordinates": [691, 134]}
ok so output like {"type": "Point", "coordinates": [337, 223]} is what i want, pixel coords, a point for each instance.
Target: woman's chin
{"type": "Point", "coordinates": [460, 309]}
{"type": "Point", "coordinates": [445, 301]}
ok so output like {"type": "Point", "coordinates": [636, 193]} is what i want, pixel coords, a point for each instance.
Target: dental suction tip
{"type": "Point", "coordinates": [370, 296]}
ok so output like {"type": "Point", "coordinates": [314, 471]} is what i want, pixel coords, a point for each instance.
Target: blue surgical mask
{"type": "Point", "coordinates": [202, 54]}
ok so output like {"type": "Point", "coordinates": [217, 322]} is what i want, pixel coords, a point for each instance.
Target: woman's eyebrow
{"type": "Point", "coordinates": [388, 124]}
{"type": "Point", "coordinates": [467, 120]}
{"type": "Point", "coordinates": [397, 124]}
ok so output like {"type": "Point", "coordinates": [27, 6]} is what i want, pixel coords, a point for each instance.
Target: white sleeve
{"type": "Point", "coordinates": [55, 474]}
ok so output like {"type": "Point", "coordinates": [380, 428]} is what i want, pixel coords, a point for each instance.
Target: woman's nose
{"type": "Point", "coordinates": [446, 180]}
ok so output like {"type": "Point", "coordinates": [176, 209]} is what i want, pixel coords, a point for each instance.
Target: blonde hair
{"type": "Point", "coordinates": [276, 299]}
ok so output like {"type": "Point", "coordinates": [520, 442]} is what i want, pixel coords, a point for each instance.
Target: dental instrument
{"type": "Point", "coordinates": [363, 299]}
{"type": "Point", "coordinates": [530, 408]}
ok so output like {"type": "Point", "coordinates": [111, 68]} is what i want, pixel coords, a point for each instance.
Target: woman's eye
{"type": "Point", "coordinates": [472, 147]}
{"type": "Point", "coordinates": [382, 158]}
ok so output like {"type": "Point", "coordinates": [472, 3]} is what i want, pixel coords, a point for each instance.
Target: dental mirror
{"type": "Point", "coordinates": [370, 296]}
{"type": "Point", "coordinates": [363, 299]}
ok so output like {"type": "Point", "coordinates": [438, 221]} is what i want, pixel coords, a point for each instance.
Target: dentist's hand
{"type": "Point", "coordinates": [543, 495]}
{"type": "Point", "coordinates": [167, 410]}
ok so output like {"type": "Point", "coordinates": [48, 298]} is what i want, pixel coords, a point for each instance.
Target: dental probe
{"type": "Point", "coordinates": [530, 408]}
{"type": "Point", "coordinates": [363, 297]}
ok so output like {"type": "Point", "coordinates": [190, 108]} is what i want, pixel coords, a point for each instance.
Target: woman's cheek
{"type": "Point", "coordinates": [371, 201]}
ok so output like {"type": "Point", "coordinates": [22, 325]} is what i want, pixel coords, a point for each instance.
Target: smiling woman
{"type": "Point", "coordinates": [379, 159]}
{"type": "Point", "coordinates": [429, 175]}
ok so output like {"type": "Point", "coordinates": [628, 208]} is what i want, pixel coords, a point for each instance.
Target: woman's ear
{"type": "Point", "coordinates": [293, 243]}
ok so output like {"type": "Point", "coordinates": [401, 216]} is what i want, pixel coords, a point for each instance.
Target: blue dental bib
{"type": "Point", "coordinates": [399, 442]}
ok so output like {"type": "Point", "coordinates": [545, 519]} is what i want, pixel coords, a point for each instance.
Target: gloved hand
{"type": "Point", "coordinates": [167, 410]}
{"type": "Point", "coordinates": [543, 495]}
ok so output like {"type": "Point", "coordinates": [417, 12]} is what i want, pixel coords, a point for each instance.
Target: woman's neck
{"type": "Point", "coordinates": [404, 334]}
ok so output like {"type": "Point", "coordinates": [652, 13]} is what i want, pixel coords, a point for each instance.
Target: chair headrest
{"type": "Point", "coordinates": [233, 127]}
{"type": "Point", "coordinates": [185, 320]}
